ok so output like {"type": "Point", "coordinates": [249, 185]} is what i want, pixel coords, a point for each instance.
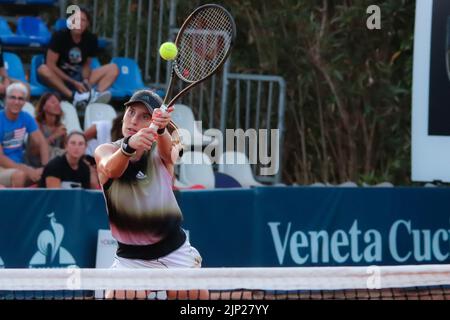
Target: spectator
{"type": "Point", "coordinates": [69, 170]}
{"type": "Point", "coordinates": [68, 65]}
{"type": "Point", "coordinates": [48, 117]}
{"type": "Point", "coordinates": [15, 124]}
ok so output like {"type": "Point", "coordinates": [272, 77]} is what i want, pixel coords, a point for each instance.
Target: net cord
{"type": "Point", "coordinates": [308, 278]}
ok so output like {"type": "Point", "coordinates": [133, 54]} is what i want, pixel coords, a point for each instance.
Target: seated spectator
{"type": "Point", "coordinates": [48, 118]}
{"type": "Point", "coordinates": [101, 132]}
{"type": "Point", "coordinates": [15, 124]}
{"type": "Point", "coordinates": [69, 170]}
{"type": "Point", "coordinates": [68, 66]}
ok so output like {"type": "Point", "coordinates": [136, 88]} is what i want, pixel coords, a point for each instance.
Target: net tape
{"type": "Point", "coordinates": [308, 278]}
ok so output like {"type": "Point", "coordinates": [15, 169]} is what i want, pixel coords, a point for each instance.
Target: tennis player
{"type": "Point", "coordinates": [136, 178]}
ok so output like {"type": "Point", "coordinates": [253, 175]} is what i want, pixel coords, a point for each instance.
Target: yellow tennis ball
{"type": "Point", "coordinates": [168, 51]}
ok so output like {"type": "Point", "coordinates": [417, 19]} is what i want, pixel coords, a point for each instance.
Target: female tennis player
{"type": "Point", "coordinates": [136, 177]}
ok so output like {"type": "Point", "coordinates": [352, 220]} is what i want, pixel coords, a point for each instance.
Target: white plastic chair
{"type": "Point", "coordinates": [184, 119]}
{"type": "Point", "coordinates": [236, 165]}
{"type": "Point", "coordinates": [196, 168]}
{"type": "Point", "coordinates": [70, 117]}
{"type": "Point", "coordinates": [103, 129]}
{"type": "Point", "coordinates": [97, 112]}
{"type": "Point", "coordinates": [29, 108]}
{"type": "Point", "coordinates": [348, 184]}
{"type": "Point", "coordinates": [385, 184]}
{"type": "Point", "coordinates": [317, 184]}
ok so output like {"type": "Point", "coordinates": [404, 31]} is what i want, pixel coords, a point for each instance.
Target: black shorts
{"type": "Point", "coordinates": [75, 76]}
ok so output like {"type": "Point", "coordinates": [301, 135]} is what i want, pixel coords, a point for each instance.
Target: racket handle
{"type": "Point", "coordinates": [163, 108]}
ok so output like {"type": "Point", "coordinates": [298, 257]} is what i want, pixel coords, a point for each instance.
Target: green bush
{"type": "Point", "coordinates": [348, 87]}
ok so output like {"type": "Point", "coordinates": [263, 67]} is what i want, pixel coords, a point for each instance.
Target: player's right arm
{"type": "Point", "coordinates": [111, 162]}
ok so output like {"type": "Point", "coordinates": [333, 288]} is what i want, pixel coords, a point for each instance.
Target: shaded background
{"type": "Point", "coordinates": [439, 98]}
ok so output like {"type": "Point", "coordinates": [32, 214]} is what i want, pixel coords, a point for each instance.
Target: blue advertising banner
{"type": "Point", "coordinates": [50, 228]}
{"type": "Point", "coordinates": [356, 227]}
{"type": "Point", "coordinates": [269, 226]}
{"type": "Point", "coordinates": [319, 226]}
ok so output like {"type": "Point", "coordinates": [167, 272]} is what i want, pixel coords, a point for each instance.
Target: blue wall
{"type": "Point", "coordinates": [269, 226]}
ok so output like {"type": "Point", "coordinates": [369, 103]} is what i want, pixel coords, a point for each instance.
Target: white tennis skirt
{"type": "Point", "coordinates": [184, 257]}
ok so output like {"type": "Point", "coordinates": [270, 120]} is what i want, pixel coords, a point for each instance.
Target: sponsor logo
{"type": "Point", "coordinates": [51, 253]}
{"type": "Point", "coordinates": [141, 176]}
{"type": "Point", "coordinates": [404, 243]}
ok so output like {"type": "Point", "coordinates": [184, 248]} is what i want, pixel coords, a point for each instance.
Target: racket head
{"type": "Point", "coordinates": [204, 43]}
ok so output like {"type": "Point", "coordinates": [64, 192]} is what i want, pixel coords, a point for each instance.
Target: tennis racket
{"type": "Point", "coordinates": [204, 43]}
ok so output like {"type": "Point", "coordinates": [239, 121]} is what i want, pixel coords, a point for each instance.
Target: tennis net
{"type": "Point", "coordinates": [424, 282]}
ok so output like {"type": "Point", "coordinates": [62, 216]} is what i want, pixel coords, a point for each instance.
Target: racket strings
{"type": "Point", "coordinates": [204, 44]}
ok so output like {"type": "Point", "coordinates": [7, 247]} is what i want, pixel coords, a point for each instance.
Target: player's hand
{"type": "Point", "coordinates": [143, 139]}
{"type": "Point", "coordinates": [160, 118]}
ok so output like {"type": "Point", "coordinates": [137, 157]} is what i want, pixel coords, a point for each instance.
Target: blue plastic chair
{"type": "Point", "coordinates": [129, 79]}
{"type": "Point", "coordinates": [95, 63]}
{"type": "Point", "coordinates": [10, 38]}
{"type": "Point", "coordinates": [104, 43]}
{"type": "Point", "coordinates": [60, 24]}
{"type": "Point", "coordinates": [161, 93]}
{"type": "Point", "coordinates": [35, 29]}
{"type": "Point", "coordinates": [36, 87]}
{"type": "Point", "coordinates": [14, 67]}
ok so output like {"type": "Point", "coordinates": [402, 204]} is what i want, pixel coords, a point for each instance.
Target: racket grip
{"type": "Point", "coordinates": [163, 108]}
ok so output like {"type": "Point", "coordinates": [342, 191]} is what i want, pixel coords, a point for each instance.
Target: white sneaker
{"type": "Point", "coordinates": [81, 99]}
{"type": "Point", "coordinates": [100, 97]}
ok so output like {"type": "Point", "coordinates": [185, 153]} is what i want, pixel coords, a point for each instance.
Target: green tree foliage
{"type": "Point", "coordinates": [348, 87]}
